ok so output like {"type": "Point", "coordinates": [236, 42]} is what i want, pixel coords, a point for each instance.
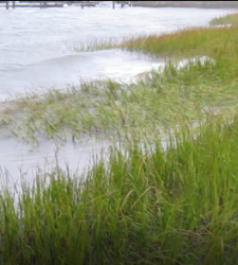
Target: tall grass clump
{"type": "Point", "coordinates": [147, 205]}
{"type": "Point", "coordinates": [212, 42]}
{"type": "Point", "coordinates": [216, 43]}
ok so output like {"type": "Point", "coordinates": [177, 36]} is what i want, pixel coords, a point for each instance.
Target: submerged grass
{"type": "Point", "coordinates": [146, 206]}
{"type": "Point", "coordinates": [110, 108]}
{"type": "Point", "coordinates": [97, 44]}
{"type": "Point", "coordinates": [161, 98]}
{"type": "Point", "coordinates": [146, 107]}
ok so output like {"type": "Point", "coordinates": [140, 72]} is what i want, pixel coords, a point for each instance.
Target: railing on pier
{"type": "Point", "coordinates": [45, 4]}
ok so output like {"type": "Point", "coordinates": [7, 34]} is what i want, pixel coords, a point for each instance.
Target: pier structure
{"type": "Point", "coordinates": [158, 4]}
{"type": "Point", "coordinates": [46, 4]}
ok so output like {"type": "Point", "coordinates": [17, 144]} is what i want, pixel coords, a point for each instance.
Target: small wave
{"type": "Point", "coordinates": [11, 67]}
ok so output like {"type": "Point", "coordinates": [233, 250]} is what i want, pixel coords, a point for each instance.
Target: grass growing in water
{"type": "Point", "coordinates": [217, 43]}
{"type": "Point", "coordinates": [97, 44]}
{"type": "Point", "coordinates": [147, 206]}
{"type": "Point", "coordinates": [158, 101]}
{"type": "Point", "coordinates": [161, 99]}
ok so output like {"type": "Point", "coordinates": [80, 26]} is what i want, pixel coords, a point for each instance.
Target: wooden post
{"type": "Point", "coordinates": [113, 4]}
{"type": "Point", "coordinates": [122, 3]}
{"type": "Point", "coordinates": [13, 4]}
{"type": "Point", "coordinates": [7, 4]}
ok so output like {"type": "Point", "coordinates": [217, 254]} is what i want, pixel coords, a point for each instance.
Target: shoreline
{"type": "Point", "coordinates": [199, 4]}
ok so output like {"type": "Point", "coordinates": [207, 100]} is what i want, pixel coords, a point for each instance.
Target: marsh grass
{"type": "Point", "coordinates": [146, 107]}
{"type": "Point", "coordinates": [212, 42]}
{"type": "Point", "coordinates": [97, 44]}
{"type": "Point", "coordinates": [230, 19]}
{"type": "Point", "coordinates": [158, 99]}
{"type": "Point", "coordinates": [146, 206]}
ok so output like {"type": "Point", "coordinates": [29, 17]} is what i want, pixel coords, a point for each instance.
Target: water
{"type": "Point", "coordinates": [37, 51]}
{"type": "Point", "coordinates": [37, 47]}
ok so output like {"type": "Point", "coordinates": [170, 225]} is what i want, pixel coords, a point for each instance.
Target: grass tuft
{"type": "Point", "coordinates": [147, 205]}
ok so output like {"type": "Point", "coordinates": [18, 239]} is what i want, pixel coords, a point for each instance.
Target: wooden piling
{"type": "Point", "coordinates": [13, 4]}
{"type": "Point", "coordinates": [43, 4]}
{"type": "Point", "coordinates": [7, 4]}
{"type": "Point", "coordinates": [113, 4]}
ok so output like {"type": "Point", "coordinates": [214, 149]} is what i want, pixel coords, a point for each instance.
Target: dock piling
{"type": "Point", "coordinates": [48, 4]}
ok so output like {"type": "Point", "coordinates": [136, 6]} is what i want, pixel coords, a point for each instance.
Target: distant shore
{"type": "Point", "coordinates": [202, 4]}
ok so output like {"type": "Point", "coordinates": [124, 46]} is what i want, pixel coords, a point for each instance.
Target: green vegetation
{"type": "Point", "coordinates": [157, 100]}
{"type": "Point", "coordinates": [97, 44]}
{"type": "Point", "coordinates": [218, 43]}
{"type": "Point", "coordinates": [145, 108]}
{"type": "Point", "coordinates": [228, 19]}
{"type": "Point", "coordinates": [148, 204]}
